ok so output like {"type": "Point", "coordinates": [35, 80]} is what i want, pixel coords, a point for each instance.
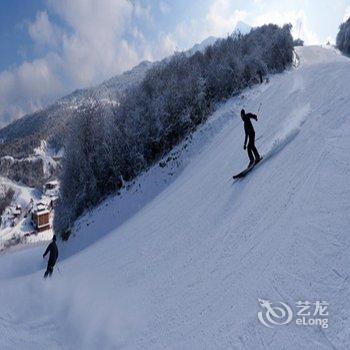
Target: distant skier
{"type": "Point", "coordinates": [253, 153]}
{"type": "Point", "coordinates": [52, 248]}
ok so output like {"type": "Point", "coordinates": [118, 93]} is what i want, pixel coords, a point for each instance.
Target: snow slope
{"type": "Point", "coordinates": [184, 255]}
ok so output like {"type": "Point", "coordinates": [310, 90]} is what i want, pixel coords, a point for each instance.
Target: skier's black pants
{"type": "Point", "coordinates": [253, 153]}
{"type": "Point", "coordinates": [49, 270]}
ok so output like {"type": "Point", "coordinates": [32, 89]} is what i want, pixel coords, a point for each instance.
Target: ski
{"type": "Point", "coordinates": [243, 173]}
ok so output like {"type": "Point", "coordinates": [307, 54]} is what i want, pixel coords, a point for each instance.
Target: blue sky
{"type": "Point", "coordinates": [51, 47]}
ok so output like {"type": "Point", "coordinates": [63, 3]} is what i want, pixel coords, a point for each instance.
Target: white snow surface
{"type": "Point", "coordinates": [180, 259]}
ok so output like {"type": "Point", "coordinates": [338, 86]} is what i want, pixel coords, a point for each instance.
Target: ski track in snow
{"type": "Point", "coordinates": [180, 259]}
{"type": "Point", "coordinates": [288, 132]}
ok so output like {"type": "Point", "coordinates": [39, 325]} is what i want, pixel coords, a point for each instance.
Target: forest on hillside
{"type": "Point", "coordinates": [176, 95]}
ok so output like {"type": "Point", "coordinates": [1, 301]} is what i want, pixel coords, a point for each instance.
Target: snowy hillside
{"type": "Point", "coordinates": [21, 137]}
{"type": "Point", "coordinates": [180, 260]}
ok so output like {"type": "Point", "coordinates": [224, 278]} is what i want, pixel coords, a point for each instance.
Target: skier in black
{"type": "Point", "coordinates": [52, 248]}
{"type": "Point", "coordinates": [253, 153]}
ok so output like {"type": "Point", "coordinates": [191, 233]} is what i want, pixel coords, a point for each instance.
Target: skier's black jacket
{"type": "Point", "coordinates": [248, 127]}
{"type": "Point", "coordinates": [52, 248]}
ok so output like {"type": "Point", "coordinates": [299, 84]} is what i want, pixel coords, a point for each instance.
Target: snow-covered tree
{"type": "Point", "coordinates": [298, 42]}
{"type": "Point", "coordinates": [343, 37]}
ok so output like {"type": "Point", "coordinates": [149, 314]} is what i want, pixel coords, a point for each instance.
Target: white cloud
{"type": "Point", "coordinates": [95, 50]}
{"type": "Point", "coordinates": [297, 18]}
{"type": "Point", "coordinates": [42, 31]}
{"type": "Point", "coordinates": [89, 48]}
{"type": "Point", "coordinates": [188, 33]}
{"type": "Point", "coordinates": [143, 12]}
{"type": "Point", "coordinates": [222, 17]}
{"type": "Point", "coordinates": [167, 45]}
{"type": "Point", "coordinates": [23, 89]}
{"type": "Point", "coordinates": [164, 7]}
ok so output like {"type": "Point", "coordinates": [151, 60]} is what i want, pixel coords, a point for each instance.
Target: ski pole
{"type": "Point", "coordinates": [259, 107]}
{"type": "Point", "coordinates": [58, 269]}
